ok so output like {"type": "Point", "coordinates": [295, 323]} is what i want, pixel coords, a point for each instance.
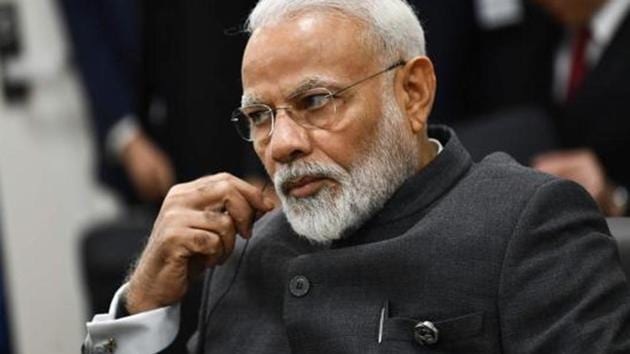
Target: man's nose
{"type": "Point", "coordinates": [289, 140]}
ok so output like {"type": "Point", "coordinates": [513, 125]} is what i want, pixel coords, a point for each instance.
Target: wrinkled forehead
{"type": "Point", "coordinates": [309, 49]}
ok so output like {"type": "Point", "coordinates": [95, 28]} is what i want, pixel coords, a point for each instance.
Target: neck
{"type": "Point", "coordinates": [428, 152]}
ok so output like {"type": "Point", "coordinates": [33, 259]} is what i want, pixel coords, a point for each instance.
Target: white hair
{"type": "Point", "coordinates": [393, 29]}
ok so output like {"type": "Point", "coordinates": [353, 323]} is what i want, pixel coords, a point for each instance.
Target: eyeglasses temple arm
{"type": "Point", "coordinates": [389, 68]}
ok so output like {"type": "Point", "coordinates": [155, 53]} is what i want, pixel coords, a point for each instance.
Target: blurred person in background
{"type": "Point", "coordinates": [589, 79]}
{"type": "Point", "coordinates": [161, 78]}
{"type": "Point", "coordinates": [545, 80]}
{"type": "Point", "coordinates": [156, 94]}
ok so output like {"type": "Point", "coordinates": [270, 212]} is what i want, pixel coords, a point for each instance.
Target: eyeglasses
{"type": "Point", "coordinates": [313, 109]}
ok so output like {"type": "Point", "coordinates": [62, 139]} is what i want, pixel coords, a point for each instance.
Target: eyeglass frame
{"type": "Point", "coordinates": [335, 94]}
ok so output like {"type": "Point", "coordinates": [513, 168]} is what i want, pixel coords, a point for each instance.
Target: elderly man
{"type": "Point", "coordinates": [390, 239]}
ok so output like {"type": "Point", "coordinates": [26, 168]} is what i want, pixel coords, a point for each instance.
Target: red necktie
{"type": "Point", "coordinates": [579, 62]}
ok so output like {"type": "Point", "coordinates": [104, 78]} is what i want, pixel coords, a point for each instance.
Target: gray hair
{"type": "Point", "coordinates": [392, 26]}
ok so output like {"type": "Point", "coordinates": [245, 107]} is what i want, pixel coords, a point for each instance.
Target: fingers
{"type": "Point", "coordinates": [213, 248]}
{"type": "Point", "coordinates": [226, 194]}
{"type": "Point", "coordinates": [220, 224]}
{"type": "Point", "coordinates": [185, 244]}
{"type": "Point", "coordinates": [214, 191]}
{"type": "Point", "coordinates": [241, 213]}
{"type": "Point", "coordinates": [196, 228]}
{"type": "Point", "coordinates": [217, 223]}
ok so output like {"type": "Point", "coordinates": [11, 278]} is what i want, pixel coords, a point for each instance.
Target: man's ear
{"type": "Point", "coordinates": [417, 91]}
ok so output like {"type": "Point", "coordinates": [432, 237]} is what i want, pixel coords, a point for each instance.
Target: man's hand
{"type": "Point", "coordinates": [581, 166]}
{"type": "Point", "coordinates": [149, 169]}
{"type": "Point", "coordinates": [195, 229]}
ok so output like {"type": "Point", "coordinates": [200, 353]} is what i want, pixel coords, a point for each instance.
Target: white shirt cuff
{"type": "Point", "coordinates": [120, 135]}
{"type": "Point", "coordinates": [142, 333]}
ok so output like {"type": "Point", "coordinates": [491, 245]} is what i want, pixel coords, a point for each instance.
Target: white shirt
{"type": "Point", "coordinates": [143, 333]}
{"type": "Point", "coordinates": [603, 26]}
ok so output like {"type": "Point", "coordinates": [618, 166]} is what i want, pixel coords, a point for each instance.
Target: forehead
{"type": "Point", "coordinates": [311, 47]}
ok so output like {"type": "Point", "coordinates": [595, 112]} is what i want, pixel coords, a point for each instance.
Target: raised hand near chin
{"type": "Point", "coordinates": [195, 229]}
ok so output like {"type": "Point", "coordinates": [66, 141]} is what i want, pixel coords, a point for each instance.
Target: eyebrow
{"type": "Point", "coordinates": [311, 83]}
{"type": "Point", "coordinates": [305, 85]}
{"type": "Point", "coordinates": [249, 99]}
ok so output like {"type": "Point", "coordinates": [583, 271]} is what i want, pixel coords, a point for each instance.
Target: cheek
{"type": "Point", "coordinates": [261, 152]}
{"type": "Point", "coordinates": [344, 146]}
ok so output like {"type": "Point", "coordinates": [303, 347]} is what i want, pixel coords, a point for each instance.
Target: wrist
{"type": "Point", "coordinates": [122, 135]}
{"type": "Point", "coordinates": [135, 300]}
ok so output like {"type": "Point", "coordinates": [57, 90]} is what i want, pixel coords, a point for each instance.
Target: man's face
{"type": "Point", "coordinates": [317, 170]}
{"type": "Point", "coordinates": [312, 48]}
{"type": "Point", "coordinates": [573, 13]}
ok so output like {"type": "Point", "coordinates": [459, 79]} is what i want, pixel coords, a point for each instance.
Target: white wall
{"type": "Point", "coordinates": [46, 192]}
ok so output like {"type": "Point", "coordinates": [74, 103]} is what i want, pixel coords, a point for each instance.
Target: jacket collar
{"type": "Point", "coordinates": [418, 193]}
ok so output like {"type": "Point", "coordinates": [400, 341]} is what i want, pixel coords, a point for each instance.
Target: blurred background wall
{"type": "Point", "coordinates": [47, 192]}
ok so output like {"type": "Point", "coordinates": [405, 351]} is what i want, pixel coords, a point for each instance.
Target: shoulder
{"type": "Point", "coordinates": [500, 178]}
{"type": "Point", "coordinates": [513, 181]}
{"type": "Point", "coordinates": [498, 197]}
{"type": "Point", "coordinates": [503, 166]}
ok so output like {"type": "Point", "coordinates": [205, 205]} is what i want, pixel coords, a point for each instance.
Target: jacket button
{"type": "Point", "coordinates": [299, 286]}
{"type": "Point", "coordinates": [425, 333]}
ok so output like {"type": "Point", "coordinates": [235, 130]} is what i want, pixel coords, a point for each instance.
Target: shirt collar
{"type": "Point", "coordinates": [438, 144]}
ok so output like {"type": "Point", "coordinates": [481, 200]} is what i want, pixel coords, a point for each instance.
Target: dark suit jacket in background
{"type": "Point", "coordinates": [176, 65]}
{"type": "Point", "coordinates": [483, 73]}
{"type": "Point", "coordinates": [597, 117]}
{"type": "Point", "coordinates": [501, 258]}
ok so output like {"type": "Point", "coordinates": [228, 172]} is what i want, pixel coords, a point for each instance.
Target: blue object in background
{"type": "Point", "coordinates": [4, 325]}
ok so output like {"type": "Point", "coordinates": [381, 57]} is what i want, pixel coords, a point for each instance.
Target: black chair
{"type": "Point", "coordinates": [620, 229]}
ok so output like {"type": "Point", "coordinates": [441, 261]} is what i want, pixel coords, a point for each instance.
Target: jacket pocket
{"type": "Point", "coordinates": [428, 331]}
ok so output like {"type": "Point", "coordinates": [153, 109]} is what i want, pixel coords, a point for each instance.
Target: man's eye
{"type": "Point", "coordinates": [315, 101]}
{"type": "Point", "coordinates": [258, 117]}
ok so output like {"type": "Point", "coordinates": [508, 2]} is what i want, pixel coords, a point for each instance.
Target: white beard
{"type": "Point", "coordinates": [333, 213]}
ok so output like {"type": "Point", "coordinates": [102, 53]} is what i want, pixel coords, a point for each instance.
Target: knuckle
{"type": "Point", "coordinates": [210, 215]}
{"type": "Point", "coordinates": [175, 194]}
{"type": "Point", "coordinates": [170, 215]}
{"type": "Point", "coordinates": [202, 187]}
{"type": "Point", "coordinates": [176, 189]}
{"type": "Point", "coordinates": [241, 219]}
{"type": "Point", "coordinates": [215, 244]}
{"type": "Point", "coordinates": [200, 240]}
{"type": "Point", "coordinates": [180, 255]}
{"type": "Point", "coordinates": [224, 176]}
{"type": "Point", "coordinates": [171, 236]}
{"type": "Point", "coordinates": [223, 186]}
{"type": "Point", "coordinates": [227, 223]}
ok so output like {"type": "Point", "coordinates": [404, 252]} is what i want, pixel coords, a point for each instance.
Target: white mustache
{"type": "Point", "coordinates": [301, 169]}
